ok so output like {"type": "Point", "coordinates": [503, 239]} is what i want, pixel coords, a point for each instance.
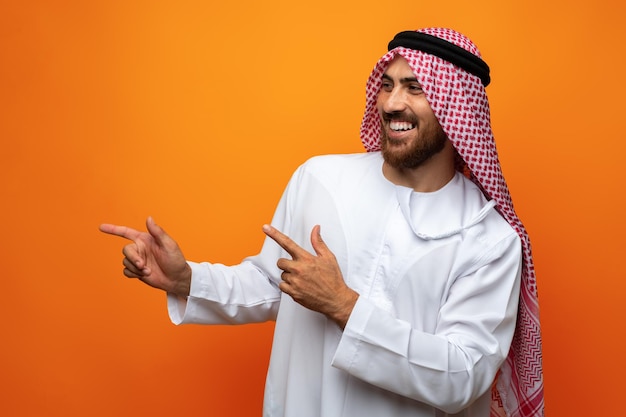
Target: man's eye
{"type": "Point", "coordinates": [387, 86]}
{"type": "Point", "coordinates": [415, 88]}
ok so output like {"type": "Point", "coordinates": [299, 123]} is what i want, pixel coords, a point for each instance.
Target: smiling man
{"type": "Point", "coordinates": [420, 300]}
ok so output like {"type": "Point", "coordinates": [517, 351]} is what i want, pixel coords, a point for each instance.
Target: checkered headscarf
{"type": "Point", "coordinates": [457, 96]}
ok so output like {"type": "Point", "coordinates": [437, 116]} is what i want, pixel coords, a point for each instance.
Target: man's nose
{"type": "Point", "coordinates": [394, 101]}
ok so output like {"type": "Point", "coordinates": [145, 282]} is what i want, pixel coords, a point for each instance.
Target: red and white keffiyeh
{"type": "Point", "coordinates": [460, 104]}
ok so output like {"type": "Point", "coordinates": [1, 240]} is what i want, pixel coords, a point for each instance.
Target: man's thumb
{"type": "Point", "coordinates": [155, 230]}
{"type": "Point", "coordinates": [316, 240]}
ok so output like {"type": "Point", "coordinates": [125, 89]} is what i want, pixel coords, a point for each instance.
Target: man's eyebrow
{"type": "Point", "coordinates": [405, 80]}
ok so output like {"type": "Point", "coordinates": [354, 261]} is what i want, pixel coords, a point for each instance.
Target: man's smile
{"type": "Point", "coordinates": [398, 126]}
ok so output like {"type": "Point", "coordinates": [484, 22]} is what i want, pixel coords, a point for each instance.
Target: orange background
{"type": "Point", "coordinates": [197, 114]}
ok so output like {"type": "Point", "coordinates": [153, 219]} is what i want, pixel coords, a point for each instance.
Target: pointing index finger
{"type": "Point", "coordinates": [121, 231]}
{"type": "Point", "coordinates": [283, 241]}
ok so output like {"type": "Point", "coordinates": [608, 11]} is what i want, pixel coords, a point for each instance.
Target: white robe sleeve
{"type": "Point", "coordinates": [456, 364]}
{"type": "Point", "coordinates": [226, 295]}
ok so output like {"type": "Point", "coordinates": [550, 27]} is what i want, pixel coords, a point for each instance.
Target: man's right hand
{"type": "Point", "coordinates": [153, 257]}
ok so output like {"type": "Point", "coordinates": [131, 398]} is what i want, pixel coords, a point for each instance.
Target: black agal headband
{"type": "Point", "coordinates": [444, 50]}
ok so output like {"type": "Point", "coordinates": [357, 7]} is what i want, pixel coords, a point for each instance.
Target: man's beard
{"type": "Point", "coordinates": [428, 143]}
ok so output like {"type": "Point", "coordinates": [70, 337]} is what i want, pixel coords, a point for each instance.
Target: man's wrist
{"type": "Point", "coordinates": [342, 315]}
{"type": "Point", "coordinates": [183, 286]}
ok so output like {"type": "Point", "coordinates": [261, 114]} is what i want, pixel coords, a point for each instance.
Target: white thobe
{"type": "Point", "coordinates": [438, 281]}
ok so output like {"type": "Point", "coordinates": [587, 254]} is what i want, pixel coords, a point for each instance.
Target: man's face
{"type": "Point", "coordinates": [410, 131]}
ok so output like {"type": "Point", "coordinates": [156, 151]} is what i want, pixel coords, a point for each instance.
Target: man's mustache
{"type": "Point", "coordinates": [403, 116]}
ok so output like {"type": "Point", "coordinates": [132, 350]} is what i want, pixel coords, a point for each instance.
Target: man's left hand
{"type": "Point", "coordinates": [314, 281]}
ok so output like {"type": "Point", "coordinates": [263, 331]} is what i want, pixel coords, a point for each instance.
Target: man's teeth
{"type": "Point", "coordinates": [400, 126]}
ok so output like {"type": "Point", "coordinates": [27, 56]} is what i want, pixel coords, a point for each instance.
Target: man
{"type": "Point", "coordinates": [408, 305]}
